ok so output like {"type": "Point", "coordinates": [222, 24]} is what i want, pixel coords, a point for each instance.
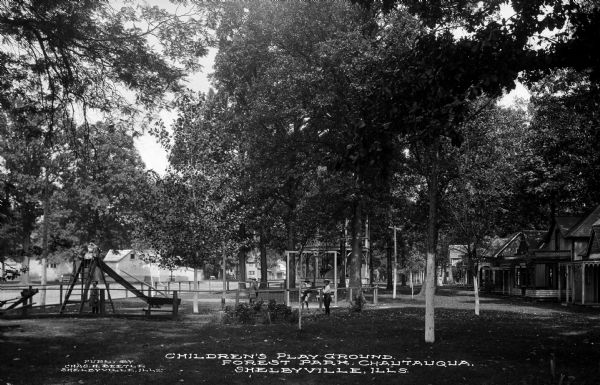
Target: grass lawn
{"type": "Point", "coordinates": [511, 342]}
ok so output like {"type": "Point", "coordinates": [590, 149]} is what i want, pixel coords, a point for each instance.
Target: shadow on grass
{"type": "Point", "coordinates": [503, 347]}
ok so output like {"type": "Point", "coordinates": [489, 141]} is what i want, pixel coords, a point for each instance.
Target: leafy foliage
{"type": "Point", "coordinates": [62, 55]}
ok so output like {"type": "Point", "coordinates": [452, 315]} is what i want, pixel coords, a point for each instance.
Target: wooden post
{"type": "Point", "coordinates": [395, 264]}
{"type": "Point", "coordinates": [558, 276]}
{"type": "Point", "coordinates": [412, 287]}
{"type": "Point", "coordinates": [175, 304]}
{"type": "Point", "coordinates": [102, 308]}
{"type": "Point", "coordinates": [567, 282]}
{"type": "Point", "coordinates": [224, 281]}
{"type": "Point", "coordinates": [300, 308]}
{"type": "Point", "coordinates": [287, 278]}
{"type": "Point", "coordinates": [573, 284]}
{"type": "Point", "coordinates": [237, 296]}
{"type": "Point", "coordinates": [320, 299]}
{"type": "Point", "coordinates": [315, 256]}
{"type": "Point", "coordinates": [375, 299]}
{"type": "Point", "coordinates": [60, 294]}
{"type": "Point", "coordinates": [179, 285]}
{"type": "Point", "coordinates": [582, 283]}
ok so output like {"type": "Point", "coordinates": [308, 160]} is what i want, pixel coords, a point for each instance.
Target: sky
{"type": "Point", "coordinates": [152, 153]}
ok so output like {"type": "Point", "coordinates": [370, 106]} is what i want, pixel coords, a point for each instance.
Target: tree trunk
{"type": "Point", "coordinates": [263, 261]}
{"type": "Point", "coordinates": [423, 279]}
{"type": "Point", "coordinates": [195, 301]}
{"type": "Point", "coordinates": [291, 274]}
{"type": "Point", "coordinates": [224, 272]}
{"type": "Point", "coordinates": [432, 237]}
{"type": "Point", "coordinates": [45, 250]}
{"type": "Point", "coordinates": [402, 259]}
{"type": "Point", "coordinates": [356, 259]}
{"type": "Point", "coordinates": [368, 251]}
{"type": "Point", "coordinates": [389, 269]}
{"type": "Point", "coordinates": [476, 291]}
{"type": "Point", "coordinates": [26, 258]}
{"type": "Point", "coordinates": [242, 264]}
{"type": "Point", "coordinates": [342, 276]}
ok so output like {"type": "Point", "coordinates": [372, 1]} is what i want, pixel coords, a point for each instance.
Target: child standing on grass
{"type": "Point", "coordinates": [306, 290]}
{"type": "Point", "coordinates": [254, 287]}
{"type": "Point", "coordinates": [95, 298]}
{"type": "Point", "coordinates": [327, 296]}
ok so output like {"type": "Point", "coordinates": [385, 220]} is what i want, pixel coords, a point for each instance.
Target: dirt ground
{"type": "Point", "coordinates": [512, 342]}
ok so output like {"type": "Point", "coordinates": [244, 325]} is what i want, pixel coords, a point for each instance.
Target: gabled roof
{"type": "Point", "coordinates": [565, 224]}
{"type": "Point", "coordinates": [534, 238]}
{"type": "Point", "coordinates": [504, 246]}
{"type": "Point", "coordinates": [583, 229]}
{"type": "Point", "coordinates": [516, 244]}
{"type": "Point", "coordinates": [593, 248]}
{"type": "Point", "coordinates": [116, 255]}
{"type": "Point", "coordinates": [457, 251]}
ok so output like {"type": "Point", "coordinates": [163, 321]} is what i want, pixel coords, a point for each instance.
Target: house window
{"type": "Point", "coordinates": [53, 265]}
{"type": "Point", "coordinates": [132, 256]}
{"type": "Point", "coordinates": [518, 277]}
{"type": "Point", "coordinates": [251, 272]}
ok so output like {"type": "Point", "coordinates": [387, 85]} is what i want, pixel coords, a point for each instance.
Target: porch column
{"type": "Point", "coordinates": [583, 283]}
{"type": "Point", "coordinates": [316, 257]}
{"type": "Point", "coordinates": [567, 282]}
{"type": "Point", "coordinates": [572, 284]}
{"type": "Point", "coordinates": [558, 276]}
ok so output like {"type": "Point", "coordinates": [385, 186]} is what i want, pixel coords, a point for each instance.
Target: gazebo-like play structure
{"type": "Point", "coordinates": [320, 254]}
{"type": "Point", "coordinates": [318, 260]}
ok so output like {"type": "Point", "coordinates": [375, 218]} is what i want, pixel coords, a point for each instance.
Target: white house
{"type": "Point", "coordinates": [134, 265]}
{"type": "Point", "coordinates": [54, 270]}
{"type": "Point", "coordinates": [253, 268]}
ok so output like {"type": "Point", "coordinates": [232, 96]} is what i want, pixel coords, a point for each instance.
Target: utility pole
{"type": "Point", "coordinates": [395, 261]}
{"type": "Point", "coordinates": [224, 280]}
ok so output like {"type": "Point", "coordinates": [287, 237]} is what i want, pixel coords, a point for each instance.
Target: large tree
{"type": "Point", "coordinates": [466, 49]}
{"type": "Point", "coordinates": [562, 172]}
{"type": "Point", "coordinates": [65, 58]}
{"type": "Point", "coordinates": [479, 202]}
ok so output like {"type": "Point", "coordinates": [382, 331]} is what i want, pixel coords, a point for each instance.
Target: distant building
{"type": "Point", "coordinates": [135, 265]}
{"type": "Point", "coordinates": [54, 270]}
{"type": "Point", "coordinates": [579, 278]}
{"type": "Point", "coordinates": [457, 272]}
{"type": "Point", "coordinates": [562, 263]}
{"type": "Point", "coordinates": [253, 268]}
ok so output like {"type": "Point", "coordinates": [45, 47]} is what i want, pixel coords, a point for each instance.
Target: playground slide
{"type": "Point", "coordinates": [145, 284]}
{"type": "Point", "coordinates": [120, 280]}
